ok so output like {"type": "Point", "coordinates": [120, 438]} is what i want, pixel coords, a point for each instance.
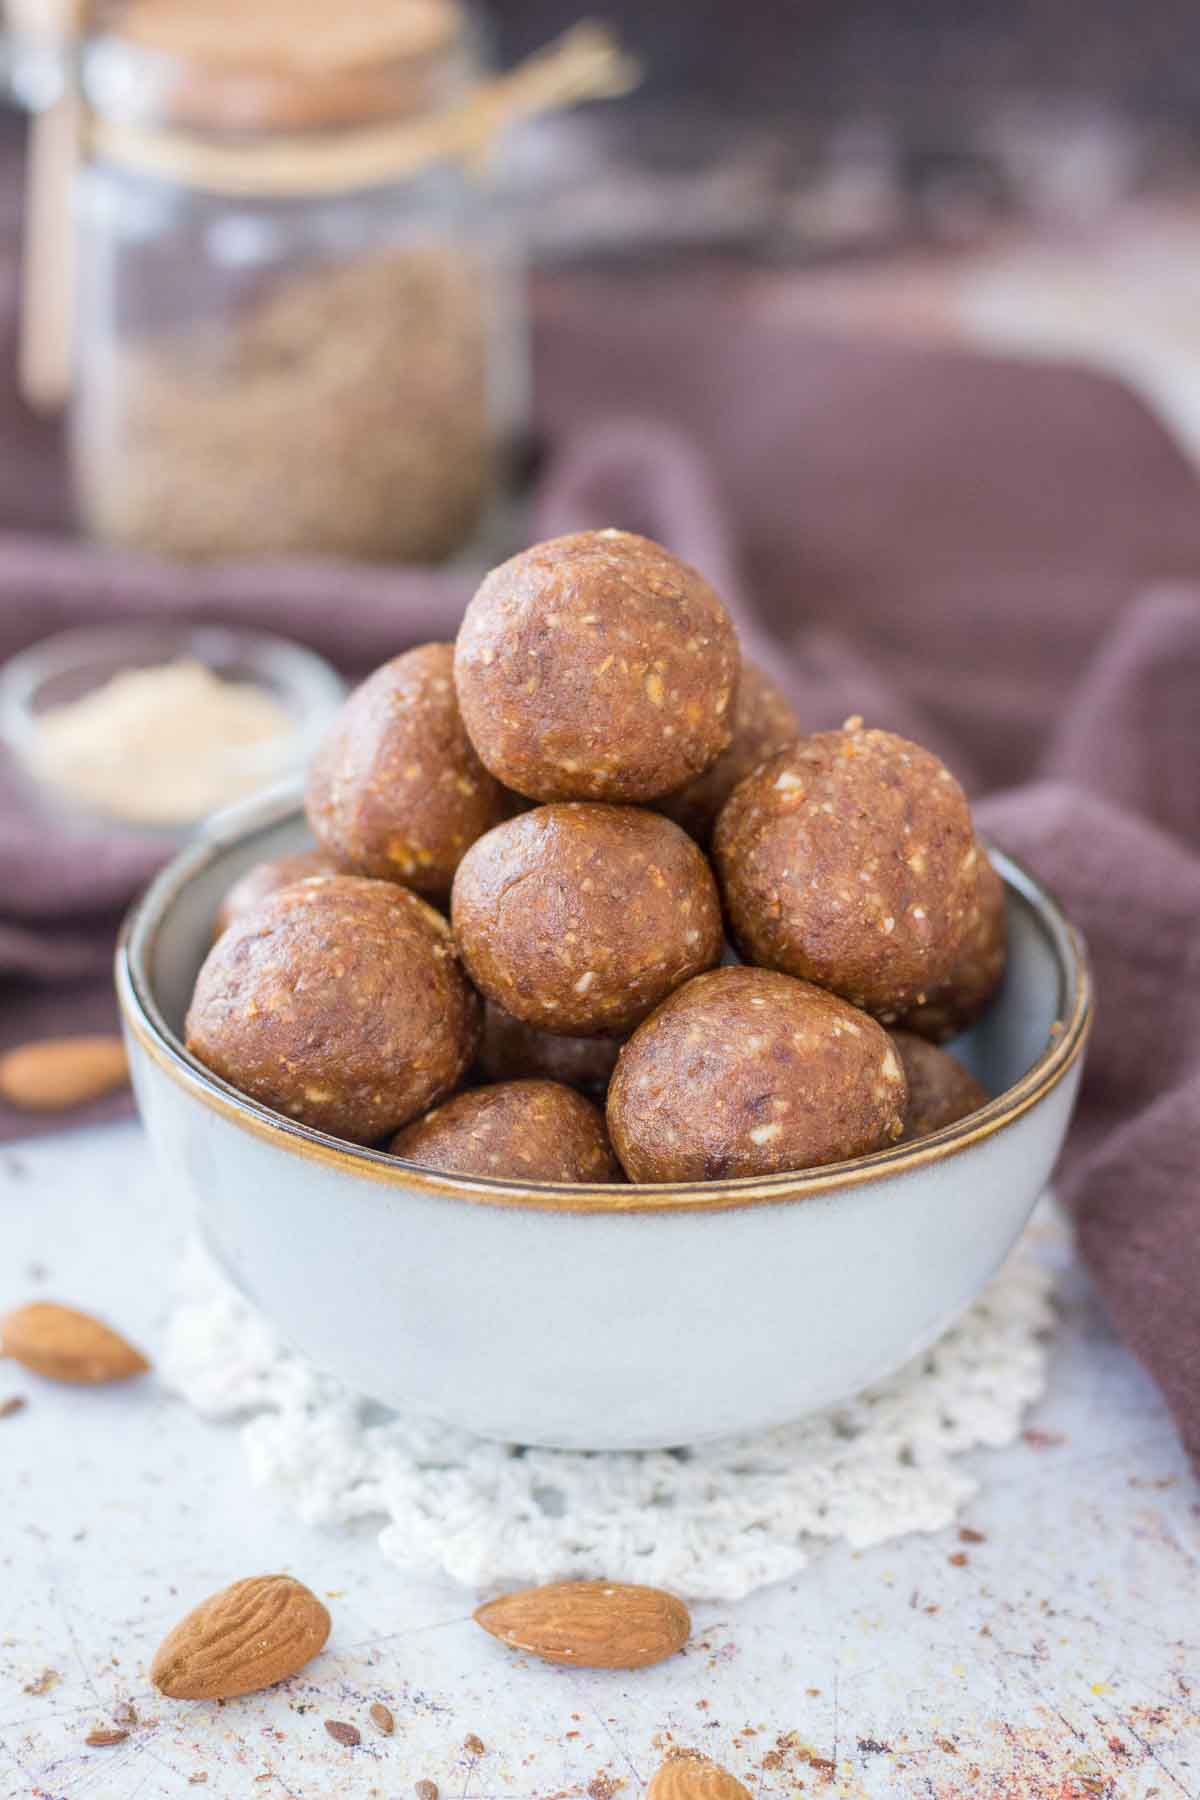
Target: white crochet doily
{"type": "Point", "coordinates": [713, 1522]}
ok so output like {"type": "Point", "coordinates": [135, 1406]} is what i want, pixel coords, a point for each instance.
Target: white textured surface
{"type": "Point", "coordinates": [1058, 1661]}
{"type": "Point", "coordinates": [714, 1522]}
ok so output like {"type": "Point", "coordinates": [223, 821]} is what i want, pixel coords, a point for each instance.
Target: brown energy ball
{"type": "Point", "coordinates": [850, 860]}
{"type": "Point", "coordinates": [528, 1130]}
{"type": "Point", "coordinates": [940, 1090]}
{"type": "Point", "coordinates": [597, 667]}
{"type": "Point", "coordinates": [978, 968]}
{"type": "Point", "coordinates": [764, 722]}
{"type": "Point", "coordinates": [511, 1050]}
{"type": "Point", "coordinates": [395, 790]}
{"type": "Point", "coordinates": [339, 1002]}
{"type": "Point", "coordinates": [580, 919]}
{"type": "Point", "coordinates": [267, 878]}
{"type": "Point", "coordinates": [748, 1072]}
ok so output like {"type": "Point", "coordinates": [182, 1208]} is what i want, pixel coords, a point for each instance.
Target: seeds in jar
{"type": "Point", "coordinates": [344, 412]}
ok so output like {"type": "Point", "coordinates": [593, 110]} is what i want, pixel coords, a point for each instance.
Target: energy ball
{"type": "Point", "coordinates": [597, 667]}
{"type": "Point", "coordinates": [978, 969]}
{"type": "Point", "coordinates": [530, 1130]}
{"type": "Point", "coordinates": [339, 1002]}
{"type": "Point", "coordinates": [940, 1090]}
{"type": "Point", "coordinates": [579, 919]}
{"type": "Point", "coordinates": [764, 722]}
{"type": "Point", "coordinates": [749, 1072]}
{"type": "Point", "coordinates": [512, 1050]}
{"type": "Point", "coordinates": [850, 860]}
{"type": "Point", "coordinates": [267, 878]}
{"type": "Point", "coordinates": [395, 790]}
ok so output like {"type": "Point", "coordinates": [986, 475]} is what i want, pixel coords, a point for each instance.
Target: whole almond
{"type": "Point", "coordinates": [66, 1345]}
{"type": "Point", "coordinates": [690, 1776]}
{"type": "Point", "coordinates": [590, 1624]}
{"type": "Point", "coordinates": [247, 1637]}
{"type": "Point", "coordinates": [57, 1073]}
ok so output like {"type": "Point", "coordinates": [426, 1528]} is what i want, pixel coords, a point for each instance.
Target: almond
{"type": "Point", "coordinates": [65, 1345]}
{"type": "Point", "coordinates": [62, 1072]}
{"type": "Point", "coordinates": [247, 1637]}
{"type": "Point", "coordinates": [690, 1776]}
{"type": "Point", "coordinates": [591, 1624]}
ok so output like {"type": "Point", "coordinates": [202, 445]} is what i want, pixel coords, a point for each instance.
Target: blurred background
{"type": "Point", "coordinates": [331, 286]}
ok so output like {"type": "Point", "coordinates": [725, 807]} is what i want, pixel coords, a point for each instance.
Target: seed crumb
{"type": "Point", "coordinates": [346, 1734]}
{"type": "Point", "coordinates": [198, 1779]}
{"type": "Point", "coordinates": [125, 1713]}
{"type": "Point", "coordinates": [15, 1403]}
{"type": "Point", "coordinates": [43, 1683]}
{"type": "Point", "coordinates": [382, 1716]}
{"type": "Point", "coordinates": [968, 1536]}
{"type": "Point", "coordinates": [103, 1736]}
{"type": "Point", "coordinates": [426, 1790]}
{"type": "Point", "coordinates": [958, 1560]}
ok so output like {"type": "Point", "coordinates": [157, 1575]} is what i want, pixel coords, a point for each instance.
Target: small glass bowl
{"type": "Point", "coordinates": [72, 664]}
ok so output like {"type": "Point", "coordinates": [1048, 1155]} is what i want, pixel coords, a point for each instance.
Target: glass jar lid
{"type": "Point", "coordinates": [282, 66]}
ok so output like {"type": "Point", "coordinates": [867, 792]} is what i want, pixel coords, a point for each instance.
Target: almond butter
{"type": "Point", "coordinates": [590, 1624]}
{"type": "Point", "coordinates": [62, 1072]}
{"type": "Point", "coordinates": [65, 1345]}
{"type": "Point", "coordinates": [690, 1776]}
{"type": "Point", "coordinates": [247, 1637]}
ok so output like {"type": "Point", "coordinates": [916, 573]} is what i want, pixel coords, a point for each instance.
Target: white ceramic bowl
{"type": "Point", "coordinates": [599, 1317]}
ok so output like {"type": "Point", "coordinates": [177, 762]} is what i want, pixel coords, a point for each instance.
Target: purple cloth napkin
{"type": "Point", "coordinates": [991, 557]}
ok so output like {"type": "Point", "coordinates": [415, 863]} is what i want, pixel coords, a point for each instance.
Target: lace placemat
{"type": "Point", "coordinates": [712, 1522]}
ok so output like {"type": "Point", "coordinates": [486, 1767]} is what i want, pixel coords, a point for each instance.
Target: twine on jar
{"type": "Point", "coordinates": [586, 63]}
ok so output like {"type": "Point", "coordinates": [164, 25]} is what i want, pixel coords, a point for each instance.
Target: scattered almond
{"type": "Point", "coordinates": [244, 1638]}
{"type": "Point", "coordinates": [349, 1735]}
{"type": "Point", "coordinates": [690, 1776]}
{"type": "Point", "coordinates": [590, 1624]}
{"type": "Point", "coordinates": [62, 1072]}
{"type": "Point", "coordinates": [426, 1790]}
{"type": "Point", "coordinates": [474, 1746]}
{"type": "Point", "coordinates": [15, 1403]}
{"type": "Point", "coordinates": [103, 1736]}
{"type": "Point", "coordinates": [65, 1345]}
{"type": "Point", "coordinates": [382, 1716]}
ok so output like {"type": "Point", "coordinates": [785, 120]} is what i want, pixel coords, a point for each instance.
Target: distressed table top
{"type": "Point", "coordinates": [1055, 1656]}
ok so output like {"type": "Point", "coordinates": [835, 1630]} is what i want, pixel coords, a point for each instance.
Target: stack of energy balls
{"type": "Point", "coordinates": [600, 789]}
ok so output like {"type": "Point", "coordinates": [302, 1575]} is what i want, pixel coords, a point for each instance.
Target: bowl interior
{"type": "Point", "coordinates": [172, 933]}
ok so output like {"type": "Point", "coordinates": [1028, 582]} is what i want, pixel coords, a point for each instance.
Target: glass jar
{"type": "Point", "coordinates": [299, 325]}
